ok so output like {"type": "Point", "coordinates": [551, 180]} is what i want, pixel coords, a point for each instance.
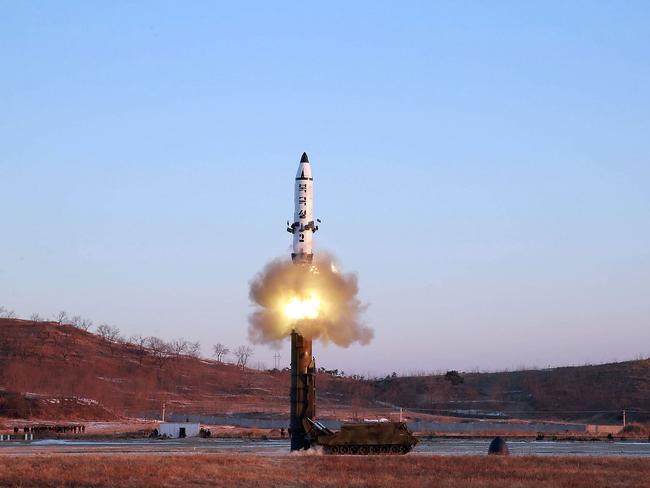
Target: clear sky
{"type": "Point", "coordinates": [483, 166]}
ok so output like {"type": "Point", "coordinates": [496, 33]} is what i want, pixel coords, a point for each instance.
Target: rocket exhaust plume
{"type": "Point", "coordinates": [316, 301]}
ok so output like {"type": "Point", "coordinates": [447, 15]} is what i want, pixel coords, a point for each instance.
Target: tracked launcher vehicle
{"type": "Point", "coordinates": [363, 438]}
{"type": "Point", "coordinates": [354, 437]}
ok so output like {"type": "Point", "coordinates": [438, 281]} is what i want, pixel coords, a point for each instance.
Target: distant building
{"type": "Point", "coordinates": [178, 430]}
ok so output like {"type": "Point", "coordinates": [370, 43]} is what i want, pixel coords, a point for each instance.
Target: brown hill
{"type": "Point", "coordinates": [51, 371]}
{"type": "Point", "coordinates": [595, 393]}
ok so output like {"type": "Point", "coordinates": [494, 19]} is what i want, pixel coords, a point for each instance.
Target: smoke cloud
{"type": "Point", "coordinates": [339, 310]}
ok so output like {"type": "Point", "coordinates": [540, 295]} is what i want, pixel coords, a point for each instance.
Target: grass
{"type": "Point", "coordinates": [243, 470]}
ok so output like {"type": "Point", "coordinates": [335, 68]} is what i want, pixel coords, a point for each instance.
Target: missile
{"type": "Point", "coordinates": [303, 365]}
{"type": "Point", "coordinates": [303, 227]}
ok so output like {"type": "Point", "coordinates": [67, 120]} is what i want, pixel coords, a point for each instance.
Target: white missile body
{"type": "Point", "coordinates": [303, 226]}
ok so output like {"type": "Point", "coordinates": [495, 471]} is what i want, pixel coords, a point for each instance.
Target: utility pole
{"type": "Point", "coordinates": [276, 357]}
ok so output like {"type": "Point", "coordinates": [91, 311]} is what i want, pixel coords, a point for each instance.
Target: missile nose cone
{"type": "Point", "coordinates": [304, 158]}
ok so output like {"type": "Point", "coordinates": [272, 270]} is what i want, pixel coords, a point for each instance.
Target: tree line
{"type": "Point", "coordinates": [160, 349]}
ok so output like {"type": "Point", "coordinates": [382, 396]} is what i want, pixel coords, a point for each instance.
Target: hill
{"type": "Point", "coordinates": [593, 393]}
{"type": "Point", "coordinates": [52, 370]}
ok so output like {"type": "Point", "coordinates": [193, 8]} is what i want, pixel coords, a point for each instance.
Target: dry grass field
{"type": "Point", "coordinates": [240, 470]}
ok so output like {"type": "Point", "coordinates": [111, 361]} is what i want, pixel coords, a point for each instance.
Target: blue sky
{"type": "Point", "coordinates": [483, 166]}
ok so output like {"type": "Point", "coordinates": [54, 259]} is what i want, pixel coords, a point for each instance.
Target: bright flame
{"type": "Point", "coordinates": [316, 301]}
{"type": "Point", "coordinates": [298, 309]}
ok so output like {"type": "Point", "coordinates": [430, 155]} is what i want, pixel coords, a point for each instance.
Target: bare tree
{"type": "Point", "coordinates": [220, 351]}
{"type": "Point", "coordinates": [85, 324]}
{"type": "Point", "coordinates": [111, 335]}
{"type": "Point", "coordinates": [35, 317]}
{"type": "Point", "coordinates": [194, 349]}
{"type": "Point", "coordinates": [5, 313]}
{"type": "Point", "coordinates": [81, 323]}
{"type": "Point", "coordinates": [138, 344]}
{"type": "Point", "coordinates": [137, 340]}
{"type": "Point", "coordinates": [61, 317]}
{"type": "Point", "coordinates": [160, 350]}
{"type": "Point", "coordinates": [181, 347]}
{"type": "Point", "coordinates": [178, 347]}
{"type": "Point", "coordinates": [243, 354]}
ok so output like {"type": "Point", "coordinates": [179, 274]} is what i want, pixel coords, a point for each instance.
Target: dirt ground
{"type": "Point", "coordinates": [241, 470]}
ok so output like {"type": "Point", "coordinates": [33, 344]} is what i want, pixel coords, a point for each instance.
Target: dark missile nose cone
{"type": "Point", "coordinates": [304, 158]}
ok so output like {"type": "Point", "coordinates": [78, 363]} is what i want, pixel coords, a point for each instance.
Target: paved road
{"type": "Point", "coordinates": [278, 447]}
{"type": "Point", "coordinates": [144, 446]}
{"type": "Point", "coordinates": [541, 448]}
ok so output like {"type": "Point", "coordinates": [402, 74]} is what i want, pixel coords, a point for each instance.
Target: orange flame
{"type": "Point", "coordinates": [299, 309]}
{"type": "Point", "coordinates": [317, 301]}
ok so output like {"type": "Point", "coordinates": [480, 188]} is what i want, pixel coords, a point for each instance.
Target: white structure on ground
{"type": "Point", "coordinates": [178, 430]}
